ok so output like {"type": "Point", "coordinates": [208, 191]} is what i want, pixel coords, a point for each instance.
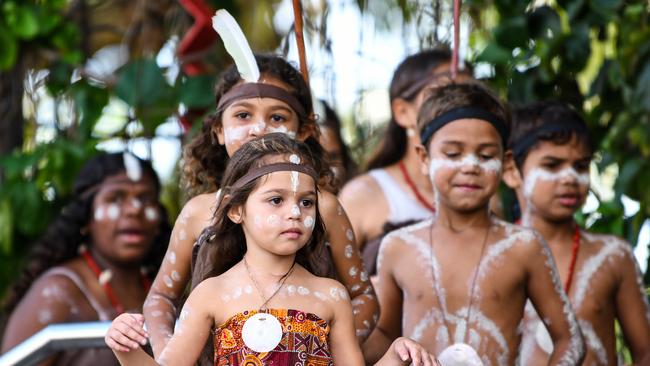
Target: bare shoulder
{"type": "Point", "coordinates": [332, 289]}
{"type": "Point", "coordinates": [198, 204]}
{"type": "Point", "coordinates": [610, 247]}
{"type": "Point", "coordinates": [361, 189]}
{"type": "Point", "coordinates": [411, 238]}
{"type": "Point", "coordinates": [328, 204]}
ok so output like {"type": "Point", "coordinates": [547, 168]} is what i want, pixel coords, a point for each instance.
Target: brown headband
{"type": "Point", "coordinates": [255, 173]}
{"type": "Point", "coordinates": [260, 90]}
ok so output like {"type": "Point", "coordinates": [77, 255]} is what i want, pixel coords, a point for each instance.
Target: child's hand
{"type": "Point", "coordinates": [126, 333]}
{"type": "Point", "coordinates": [407, 349]}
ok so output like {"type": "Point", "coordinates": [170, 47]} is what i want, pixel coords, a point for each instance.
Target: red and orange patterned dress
{"type": "Point", "coordinates": [304, 341]}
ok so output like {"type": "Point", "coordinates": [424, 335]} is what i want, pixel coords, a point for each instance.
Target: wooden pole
{"type": "Point", "coordinates": [454, 54]}
{"type": "Point", "coordinates": [300, 40]}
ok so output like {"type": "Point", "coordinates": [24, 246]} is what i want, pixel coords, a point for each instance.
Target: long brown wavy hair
{"type": "Point", "coordinates": [204, 159]}
{"type": "Point", "coordinates": [224, 242]}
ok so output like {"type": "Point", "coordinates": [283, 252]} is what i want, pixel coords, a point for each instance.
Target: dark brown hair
{"type": "Point", "coordinates": [411, 71]}
{"type": "Point", "coordinates": [225, 244]}
{"type": "Point", "coordinates": [526, 119]}
{"type": "Point", "coordinates": [205, 159]}
{"type": "Point", "coordinates": [444, 98]}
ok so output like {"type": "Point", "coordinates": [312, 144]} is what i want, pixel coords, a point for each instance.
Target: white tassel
{"type": "Point", "coordinates": [236, 45]}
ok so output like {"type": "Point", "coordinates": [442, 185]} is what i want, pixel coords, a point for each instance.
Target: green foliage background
{"type": "Point", "coordinates": [593, 53]}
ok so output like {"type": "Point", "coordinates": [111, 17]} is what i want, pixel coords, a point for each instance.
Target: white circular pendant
{"type": "Point", "coordinates": [543, 339]}
{"type": "Point", "coordinates": [262, 332]}
{"type": "Point", "coordinates": [459, 354]}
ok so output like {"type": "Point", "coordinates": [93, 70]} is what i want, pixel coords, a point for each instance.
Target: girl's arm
{"type": "Point", "coordinates": [632, 309]}
{"type": "Point", "coordinates": [185, 346]}
{"type": "Point", "coordinates": [349, 266]}
{"type": "Point", "coordinates": [545, 291]}
{"type": "Point", "coordinates": [174, 274]}
{"type": "Point", "coordinates": [346, 351]}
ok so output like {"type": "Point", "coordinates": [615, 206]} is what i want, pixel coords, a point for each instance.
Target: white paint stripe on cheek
{"type": "Point", "coordinates": [309, 222]}
{"type": "Point", "coordinates": [542, 174]}
{"type": "Point", "coordinates": [235, 134]}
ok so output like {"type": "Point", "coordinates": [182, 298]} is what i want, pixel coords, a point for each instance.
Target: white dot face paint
{"type": "Point", "coordinates": [295, 210]}
{"type": "Point", "coordinates": [291, 290]}
{"type": "Point", "coordinates": [172, 257]}
{"type": "Point", "coordinates": [295, 159]}
{"type": "Point", "coordinates": [273, 220]}
{"type": "Point", "coordinates": [44, 316]}
{"type": "Point", "coordinates": [100, 213]}
{"type": "Point", "coordinates": [309, 222]}
{"type": "Point", "coordinates": [151, 214]}
{"type": "Point", "coordinates": [113, 212]}
{"type": "Point", "coordinates": [303, 290]}
{"type": "Point", "coordinates": [105, 277]}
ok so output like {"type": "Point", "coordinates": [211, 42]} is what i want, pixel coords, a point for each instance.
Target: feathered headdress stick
{"type": "Point", "coordinates": [236, 44]}
{"type": "Point", "coordinates": [300, 40]}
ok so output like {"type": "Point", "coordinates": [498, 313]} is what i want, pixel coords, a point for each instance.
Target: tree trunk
{"type": "Point", "coordinates": [11, 108]}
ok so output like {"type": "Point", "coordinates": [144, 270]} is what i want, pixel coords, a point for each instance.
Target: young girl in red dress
{"type": "Point", "coordinates": [258, 292]}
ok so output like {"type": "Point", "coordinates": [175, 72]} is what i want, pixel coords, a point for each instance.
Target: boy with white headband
{"type": "Point", "coordinates": [548, 166]}
{"type": "Point", "coordinates": [462, 279]}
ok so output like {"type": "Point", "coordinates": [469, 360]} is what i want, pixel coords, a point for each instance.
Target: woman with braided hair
{"type": "Point", "coordinates": [97, 258]}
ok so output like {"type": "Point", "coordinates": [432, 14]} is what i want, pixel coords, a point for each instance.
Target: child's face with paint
{"type": "Point", "coordinates": [280, 214]}
{"type": "Point", "coordinates": [246, 119]}
{"type": "Point", "coordinates": [464, 164]}
{"type": "Point", "coordinates": [555, 179]}
{"type": "Point", "coordinates": [125, 218]}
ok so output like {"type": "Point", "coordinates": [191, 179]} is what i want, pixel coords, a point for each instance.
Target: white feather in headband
{"type": "Point", "coordinates": [236, 44]}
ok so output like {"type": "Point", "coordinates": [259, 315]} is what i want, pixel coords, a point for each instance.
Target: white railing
{"type": "Point", "coordinates": [55, 338]}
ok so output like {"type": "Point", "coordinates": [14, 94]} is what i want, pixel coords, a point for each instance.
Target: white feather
{"type": "Point", "coordinates": [236, 44]}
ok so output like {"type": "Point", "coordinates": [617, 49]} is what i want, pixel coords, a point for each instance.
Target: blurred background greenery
{"type": "Point", "coordinates": [69, 62]}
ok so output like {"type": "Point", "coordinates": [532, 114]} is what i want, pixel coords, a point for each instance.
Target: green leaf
{"type": "Point", "coordinates": [641, 96]}
{"type": "Point", "coordinates": [90, 102]}
{"type": "Point", "coordinates": [494, 54]}
{"type": "Point", "coordinates": [58, 79]}
{"type": "Point", "coordinates": [627, 175]}
{"type": "Point", "coordinates": [141, 83]}
{"type": "Point", "coordinates": [6, 226]}
{"type": "Point", "coordinates": [21, 20]}
{"type": "Point", "coordinates": [577, 48]}
{"type": "Point", "coordinates": [9, 51]}
{"type": "Point", "coordinates": [512, 32]}
{"type": "Point", "coordinates": [197, 92]}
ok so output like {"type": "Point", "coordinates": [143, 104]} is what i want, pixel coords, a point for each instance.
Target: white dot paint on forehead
{"type": "Point", "coordinates": [309, 222]}
{"type": "Point", "coordinates": [132, 166]}
{"type": "Point", "coordinates": [295, 159]}
{"type": "Point", "coordinates": [538, 174]}
{"type": "Point", "coordinates": [151, 213]}
{"type": "Point", "coordinates": [113, 211]}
